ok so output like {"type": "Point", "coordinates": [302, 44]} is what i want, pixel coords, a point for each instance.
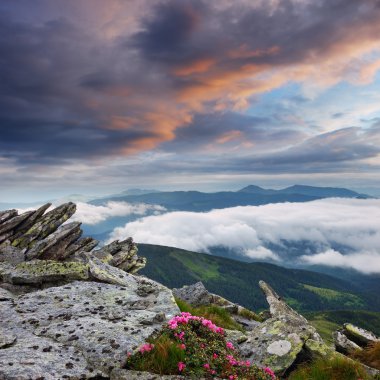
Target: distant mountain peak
{"type": "Point", "coordinates": [307, 190]}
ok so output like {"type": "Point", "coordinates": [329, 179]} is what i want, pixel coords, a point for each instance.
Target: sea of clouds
{"type": "Point", "coordinates": [91, 214]}
{"type": "Point", "coordinates": [251, 230]}
{"type": "Point", "coordinates": [352, 223]}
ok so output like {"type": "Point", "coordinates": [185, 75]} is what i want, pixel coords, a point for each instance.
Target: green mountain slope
{"type": "Point", "coordinates": [328, 321]}
{"type": "Point", "coordinates": [238, 281]}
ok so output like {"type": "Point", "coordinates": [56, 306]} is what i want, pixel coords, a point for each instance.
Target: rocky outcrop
{"type": "Point", "coordinates": [343, 344]}
{"type": "Point", "coordinates": [68, 312]}
{"type": "Point", "coordinates": [351, 338]}
{"type": "Point", "coordinates": [41, 235]}
{"type": "Point", "coordinates": [282, 339]}
{"type": "Point", "coordinates": [358, 335]}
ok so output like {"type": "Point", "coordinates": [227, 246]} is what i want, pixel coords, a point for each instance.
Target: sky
{"type": "Point", "coordinates": [100, 96]}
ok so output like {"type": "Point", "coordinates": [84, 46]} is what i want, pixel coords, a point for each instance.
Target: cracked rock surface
{"type": "Point", "coordinates": [81, 329]}
{"type": "Point", "coordinates": [68, 312]}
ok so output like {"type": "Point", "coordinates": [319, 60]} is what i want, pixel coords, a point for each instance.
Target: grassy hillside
{"type": "Point", "coordinates": [328, 321]}
{"type": "Point", "coordinates": [238, 281]}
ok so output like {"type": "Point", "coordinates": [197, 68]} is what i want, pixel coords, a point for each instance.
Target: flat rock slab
{"type": "Point", "coordinates": [37, 272]}
{"type": "Point", "coordinates": [90, 325]}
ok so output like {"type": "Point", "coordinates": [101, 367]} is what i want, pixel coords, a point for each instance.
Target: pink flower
{"type": "Point", "coordinates": [269, 371]}
{"type": "Point", "coordinates": [182, 346]}
{"type": "Point", "coordinates": [213, 372]}
{"type": "Point", "coordinates": [215, 356]}
{"type": "Point", "coordinates": [181, 366]}
{"type": "Point", "coordinates": [146, 347]}
{"type": "Point", "coordinates": [230, 346]}
{"type": "Point", "coordinates": [207, 366]}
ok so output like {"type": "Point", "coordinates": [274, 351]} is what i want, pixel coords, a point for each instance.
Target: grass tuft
{"type": "Point", "coordinates": [369, 356]}
{"type": "Point", "coordinates": [330, 369]}
{"type": "Point", "coordinates": [163, 359]}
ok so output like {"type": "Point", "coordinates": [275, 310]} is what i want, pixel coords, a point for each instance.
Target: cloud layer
{"type": "Point", "coordinates": [350, 224]}
{"type": "Point", "coordinates": [91, 214]}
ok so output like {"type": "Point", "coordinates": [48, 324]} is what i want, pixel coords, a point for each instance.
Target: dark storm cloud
{"type": "Point", "coordinates": [244, 34]}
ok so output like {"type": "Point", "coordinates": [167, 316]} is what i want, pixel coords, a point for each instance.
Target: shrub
{"type": "Point", "coordinates": [196, 347]}
{"type": "Point", "coordinates": [330, 369]}
{"type": "Point", "coordinates": [369, 356]}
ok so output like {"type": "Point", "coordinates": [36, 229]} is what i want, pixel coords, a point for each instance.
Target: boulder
{"type": "Point", "coordinates": [81, 329]}
{"type": "Point", "coordinates": [39, 235]}
{"type": "Point", "coordinates": [358, 335]}
{"type": "Point", "coordinates": [195, 294]}
{"type": "Point", "coordinates": [121, 254]}
{"type": "Point", "coordinates": [279, 340]}
{"type": "Point", "coordinates": [343, 344]}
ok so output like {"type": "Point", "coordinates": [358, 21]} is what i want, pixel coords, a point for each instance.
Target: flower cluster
{"type": "Point", "coordinates": [202, 352]}
{"type": "Point", "coordinates": [185, 317]}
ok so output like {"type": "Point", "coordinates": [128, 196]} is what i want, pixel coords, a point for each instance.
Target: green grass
{"type": "Point", "coordinates": [330, 369]}
{"type": "Point", "coordinates": [368, 320]}
{"type": "Point", "coordinates": [162, 360]}
{"type": "Point", "coordinates": [347, 299]}
{"type": "Point", "coordinates": [325, 328]}
{"type": "Point", "coordinates": [218, 315]}
{"type": "Point", "coordinates": [205, 269]}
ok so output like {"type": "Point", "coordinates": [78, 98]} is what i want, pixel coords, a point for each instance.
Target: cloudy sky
{"type": "Point", "coordinates": [99, 96]}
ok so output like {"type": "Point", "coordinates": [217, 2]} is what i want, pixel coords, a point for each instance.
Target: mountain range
{"type": "Point", "coordinates": [248, 196]}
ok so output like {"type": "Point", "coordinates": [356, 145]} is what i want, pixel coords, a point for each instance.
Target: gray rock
{"type": "Point", "coordinates": [7, 214]}
{"type": "Point", "coordinates": [121, 254]}
{"type": "Point", "coordinates": [39, 235]}
{"type": "Point", "coordinates": [343, 344]}
{"type": "Point", "coordinates": [12, 223]}
{"type": "Point", "coordinates": [37, 272]}
{"type": "Point", "coordinates": [11, 254]}
{"type": "Point", "coordinates": [46, 225]}
{"type": "Point", "coordinates": [5, 295]}
{"type": "Point", "coordinates": [6, 338]}
{"type": "Point", "coordinates": [85, 244]}
{"type": "Point", "coordinates": [279, 340]}
{"type": "Point", "coordinates": [54, 246]}
{"type": "Point", "coordinates": [95, 323]}
{"type": "Point", "coordinates": [358, 335]}
{"type": "Point", "coordinates": [23, 227]}
{"type": "Point", "coordinates": [103, 272]}
{"type": "Point", "coordinates": [195, 294]}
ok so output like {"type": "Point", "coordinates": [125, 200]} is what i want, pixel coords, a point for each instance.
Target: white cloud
{"type": "Point", "coordinates": [91, 214]}
{"type": "Point", "coordinates": [366, 262]}
{"type": "Point", "coordinates": [352, 223]}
